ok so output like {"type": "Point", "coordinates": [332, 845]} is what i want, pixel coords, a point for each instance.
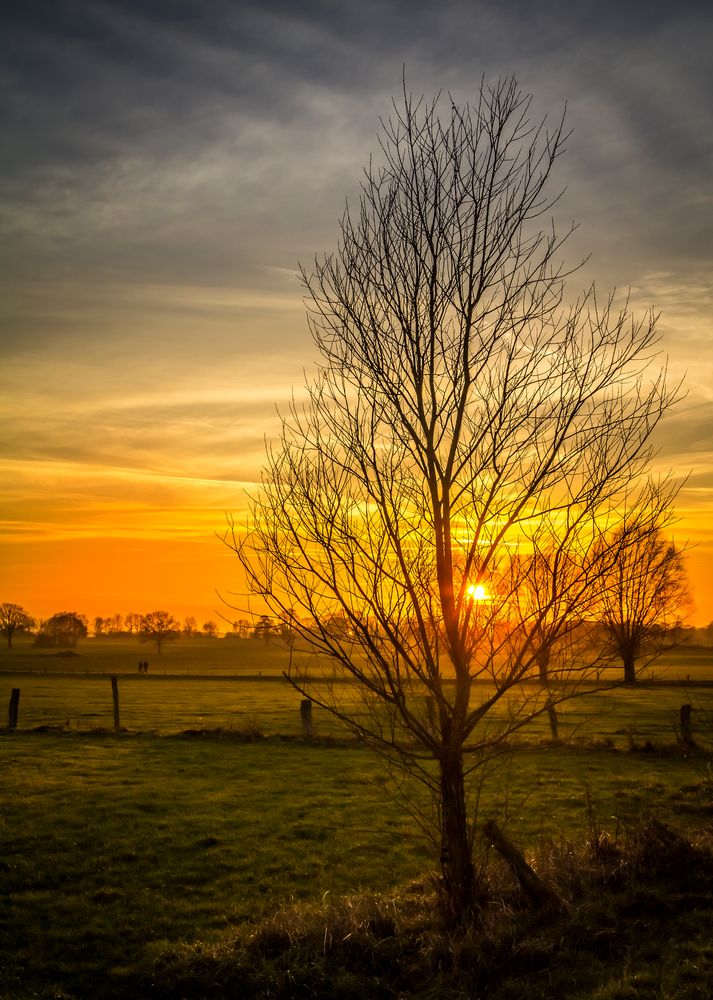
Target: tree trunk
{"type": "Point", "coordinates": [629, 667]}
{"type": "Point", "coordinates": [459, 881]}
{"type": "Point", "coordinates": [552, 715]}
{"type": "Point", "coordinates": [543, 664]}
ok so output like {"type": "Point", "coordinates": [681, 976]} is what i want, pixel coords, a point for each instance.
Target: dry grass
{"type": "Point", "coordinates": [639, 907]}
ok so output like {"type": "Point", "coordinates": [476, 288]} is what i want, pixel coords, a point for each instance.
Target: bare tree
{"type": "Point", "coordinates": [65, 628]}
{"type": "Point", "coordinates": [210, 628]}
{"type": "Point", "coordinates": [14, 618]}
{"type": "Point", "coordinates": [159, 627]}
{"type": "Point", "coordinates": [464, 418]}
{"type": "Point", "coordinates": [114, 624]}
{"type": "Point", "coordinates": [264, 629]}
{"type": "Point", "coordinates": [132, 623]}
{"type": "Point", "coordinates": [645, 597]}
{"type": "Point", "coordinates": [551, 609]}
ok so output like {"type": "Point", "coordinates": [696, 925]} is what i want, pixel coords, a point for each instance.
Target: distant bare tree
{"type": "Point", "coordinates": [159, 627]}
{"type": "Point", "coordinates": [132, 623]}
{"type": "Point", "coordinates": [210, 628]}
{"type": "Point", "coordinates": [645, 597]}
{"type": "Point", "coordinates": [114, 625]}
{"type": "Point", "coordinates": [464, 418]}
{"type": "Point", "coordinates": [65, 628]}
{"type": "Point", "coordinates": [264, 629]}
{"type": "Point", "coordinates": [241, 629]}
{"type": "Point", "coordinates": [190, 626]}
{"type": "Point", "coordinates": [552, 610]}
{"type": "Point", "coordinates": [14, 618]}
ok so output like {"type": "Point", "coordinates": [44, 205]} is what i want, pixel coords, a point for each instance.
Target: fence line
{"type": "Point", "coordinates": [269, 705]}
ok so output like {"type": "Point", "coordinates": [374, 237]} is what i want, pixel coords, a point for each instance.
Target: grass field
{"type": "Point", "coordinates": [238, 684]}
{"type": "Point", "coordinates": [115, 847]}
{"type": "Point", "coordinates": [272, 706]}
{"type": "Point", "coordinates": [121, 656]}
{"type": "Point", "coordinates": [116, 850]}
{"type": "Point", "coordinates": [244, 657]}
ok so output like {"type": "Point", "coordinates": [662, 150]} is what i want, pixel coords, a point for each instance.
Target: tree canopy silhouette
{"type": "Point", "coordinates": [65, 628]}
{"type": "Point", "coordinates": [432, 517]}
{"type": "Point", "coordinates": [645, 596]}
{"type": "Point", "coordinates": [159, 627]}
{"type": "Point", "coordinates": [14, 618]}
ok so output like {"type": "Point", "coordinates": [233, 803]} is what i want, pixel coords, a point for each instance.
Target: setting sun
{"type": "Point", "coordinates": [477, 592]}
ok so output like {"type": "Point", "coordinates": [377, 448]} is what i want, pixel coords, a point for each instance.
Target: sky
{"type": "Point", "coordinates": [164, 168]}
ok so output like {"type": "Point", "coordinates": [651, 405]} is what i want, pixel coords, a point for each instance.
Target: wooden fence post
{"type": "Point", "coordinates": [115, 697]}
{"type": "Point", "coordinates": [686, 728]}
{"type": "Point", "coordinates": [430, 703]}
{"type": "Point", "coordinates": [13, 709]}
{"type": "Point", "coordinates": [552, 714]}
{"type": "Point", "coordinates": [306, 716]}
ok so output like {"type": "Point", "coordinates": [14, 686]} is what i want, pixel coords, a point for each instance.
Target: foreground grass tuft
{"type": "Point", "coordinates": [637, 926]}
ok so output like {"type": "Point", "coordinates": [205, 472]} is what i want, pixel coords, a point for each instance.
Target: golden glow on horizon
{"type": "Point", "coordinates": [117, 476]}
{"type": "Point", "coordinates": [105, 541]}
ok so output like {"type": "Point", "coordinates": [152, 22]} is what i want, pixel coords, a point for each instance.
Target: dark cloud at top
{"type": "Point", "coordinates": [83, 78]}
{"type": "Point", "coordinates": [180, 141]}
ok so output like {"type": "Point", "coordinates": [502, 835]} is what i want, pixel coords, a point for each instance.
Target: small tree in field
{"type": "Point", "coordinates": [190, 626]}
{"type": "Point", "coordinates": [468, 439]}
{"type": "Point", "coordinates": [14, 618]}
{"type": "Point", "coordinates": [645, 596]}
{"type": "Point", "coordinates": [159, 627]}
{"type": "Point", "coordinates": [65, 628]}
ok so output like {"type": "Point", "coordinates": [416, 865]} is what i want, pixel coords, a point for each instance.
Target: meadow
{"type": "Point", "coordinates": [238, 685]}
{"type": "Point", "coordinates": [209, 814]}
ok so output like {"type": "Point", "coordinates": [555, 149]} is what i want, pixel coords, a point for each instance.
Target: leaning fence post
{"type": "Point", "coordinates": [306, 716]}
{"type": "Point", "coordinates": [539, 892]}
{"type": "Point", "coordinates": [115, 697]}
{"type": "Point", "coordinates": [13, 709]}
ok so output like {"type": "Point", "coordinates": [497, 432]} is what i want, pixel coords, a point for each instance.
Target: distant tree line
{"type": "Point", "coordinates": [66, 628]}
{"type": "Point", "coordinates": [641, 612]}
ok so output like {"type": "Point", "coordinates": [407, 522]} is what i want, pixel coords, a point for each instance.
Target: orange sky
{"type": "Point", "coordinates": [161, 181]}
{"type": "Point", "coordinates": [85, 533]}
{"type": "Point", "coordinates": [188, 570]}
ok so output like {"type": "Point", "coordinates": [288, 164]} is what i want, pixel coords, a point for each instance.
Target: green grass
{"type": "Point", "coordinates": [119, 851]}
{"type": "Point", "coordinates": [238, 684]}
{"type": "Point", "coordinates": [115, 849]}
{"type": "Point", "coordinates": [635, 924]}
{"type": "Point", "coordinates": [271, 705]}
{"type": "Point", "coordinates": [164, 705]}
{"type": "Point", "coordinates": [111, 844]}
{"type": "Point", "coordinates": [240, 657]}
{"type": "Point", "coordinates": [200, 655]}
